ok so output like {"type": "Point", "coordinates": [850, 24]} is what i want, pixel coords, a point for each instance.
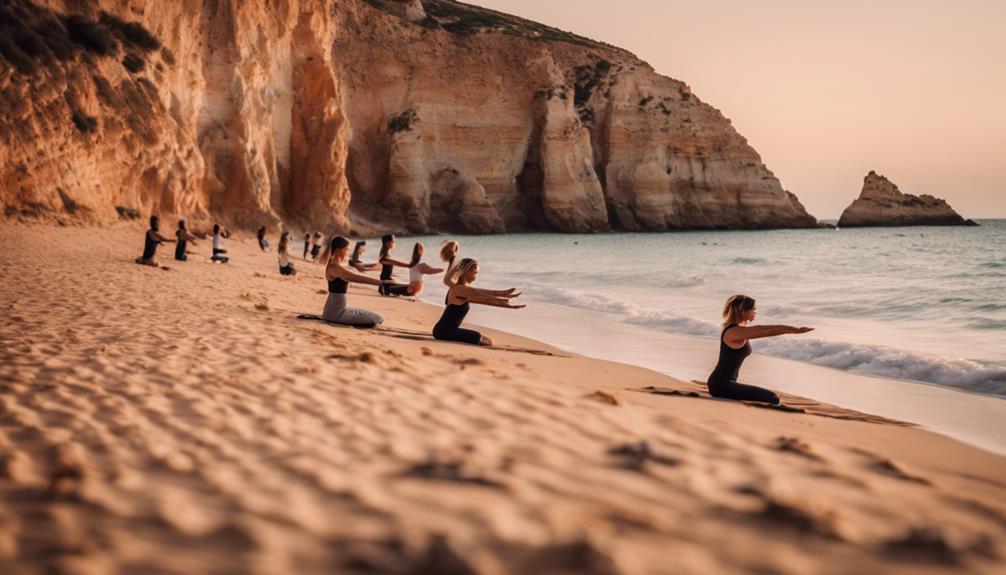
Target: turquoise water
{"type": "Point", "coordinates": [921, 304]}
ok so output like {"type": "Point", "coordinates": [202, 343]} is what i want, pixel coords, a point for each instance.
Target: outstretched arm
{"type": "Point", "coordinates": [399, 263]}
{"type": "Point", "coordinates": [160, 238]}
{"type": "Point", "coordinates": [506, 293]}
{"type": "Point", "coordinates": [739, 334]}
{"type": "Point", "coordinates": [473, 295]}
{"type": "Point", "coordinates": [429, 270]}
{"type": "Point", "coordinates": [357, 278]}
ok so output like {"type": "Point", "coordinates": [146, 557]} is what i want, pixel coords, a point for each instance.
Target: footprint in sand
{"type": "Point", "coordinates": [884, 466]}
{"type": "Point", "coordinates": [635, 456]}
{"type": "Point", "coordinates": [452, 471]}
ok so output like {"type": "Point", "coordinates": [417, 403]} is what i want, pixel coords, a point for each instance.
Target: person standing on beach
{"type": "Point", "coordinates": [735, 346]}
{"type": "Point", "coordinates": [219, 253]}
{"type": "Point", "coordinates": [307, 244]}
{"type": "Point", "coordinates": [184, 237]}
{"type": "Point", "coordinates": [283, 252]}
{"type": "Point", "coordinates": [263, 243]}
{"type": "Point", "coordinates": [151, 240]}
{"type": "Point", "coordinates": [356, 260]}
{"type": "Point", "coordinates": [387, 268]}
{"type": "Point", "coordinates": [339, 277]}
{"type": "Point", "coordinates": [458, 299]}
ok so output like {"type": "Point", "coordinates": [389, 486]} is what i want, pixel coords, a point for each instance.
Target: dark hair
{"type": "Point", "coordinates": [339, 242]}
{"type": "Point", "coordinates": [356, 251]}
{"type": "Point", "coordinates": [385, 240]}
{"type": "Point", "coordinates": [261, 232]}
{"type": "Point", "coordinates": [181, 224]}
{"type": "Point", "coordinates": [155, 222]}
{"type": "Point", "coordinates": [216, 229]}
{"type": "Point", "coordinates": [416, 256]}
{"type": "Point", "coordinates": [336, 243]}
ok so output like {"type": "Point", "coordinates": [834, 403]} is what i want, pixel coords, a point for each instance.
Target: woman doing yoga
{"type": "Point", "coordinates": [417, 269]}
{"type": "Point", "coordinates": [219, 253]}
{"type": "Point", "coordinates": [735, 346]}
{"type": "Point", "coordinates": [339, 277]}
{"type": "Point", "coordinates": [283, 251]}
{"type": "Point", "coordinates": [460, 296]}
{"type": "Point", "coordinates": [151, 240]}
{"type": "Point", "coordinates": [388, 267]}
{"type": "Point", "coordinates": [184, 237]}
{"type": "Point", "coordinates": [356, 260]}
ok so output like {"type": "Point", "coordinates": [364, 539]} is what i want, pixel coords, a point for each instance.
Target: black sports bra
{"type": "Point", "coordinates": [338, 285]}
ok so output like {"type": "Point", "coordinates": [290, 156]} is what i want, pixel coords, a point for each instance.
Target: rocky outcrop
{"type": "Point", "coordinates": [358, 115]}
{"type": "Point", "coordinates": [882, 204]}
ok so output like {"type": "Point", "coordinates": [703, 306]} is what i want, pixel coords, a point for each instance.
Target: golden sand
{"type": "Point", "coordinates": [184, 421]}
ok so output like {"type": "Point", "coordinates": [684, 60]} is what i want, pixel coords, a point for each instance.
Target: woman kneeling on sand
{"type": "Point", "coordinates": [151, 240]}
{"type": "Point", "coordinates": [417, 269]}
{"type": "Point", "coordinates": [356, 260]}
{"type": "Point", "coordinates": [283, 251]}
{"type": "Point", "coordinates": [460, 296]}
{"type": "Point", "coordinates": [735, 346]}
{"type": "Point", "coordinates": [339, 278]}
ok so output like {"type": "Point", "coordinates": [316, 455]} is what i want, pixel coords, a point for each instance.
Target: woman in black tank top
{"type": "Point", "coordinates": [458, 299]}
{"type": "Point", "coordinates": [339, 276]}
{"type": "Point", "coordinates": [735, 346]}
{"type": "Point", "coordinates": [184, 237]}
{"type": "Point", "coordinates": [151, 240]}
{"type": "Point", "coordinates": [388, 267]}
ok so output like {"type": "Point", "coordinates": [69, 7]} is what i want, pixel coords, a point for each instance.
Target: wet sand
{"type": "Point", "coordinates": [184, 421]}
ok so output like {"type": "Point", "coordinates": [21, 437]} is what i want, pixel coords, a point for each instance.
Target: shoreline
{"type": "Point", "coordinates": [185, 420]}
{"type": "Point", "coordinates": [767, 371]}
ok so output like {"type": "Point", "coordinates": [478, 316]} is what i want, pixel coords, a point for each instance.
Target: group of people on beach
{"type": "Point", "coordinates": [343, 267]}
{"type": "Point", "coordinates": [183, 237]}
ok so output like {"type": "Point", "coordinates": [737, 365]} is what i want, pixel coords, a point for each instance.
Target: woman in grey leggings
{"type": "Point", "coordinates": [339, 278]}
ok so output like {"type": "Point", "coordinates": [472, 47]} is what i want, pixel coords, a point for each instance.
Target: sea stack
{"type": "Point", "coordinates": [359, 115]}
{"type": "Point", "coordinates": [882, 204]}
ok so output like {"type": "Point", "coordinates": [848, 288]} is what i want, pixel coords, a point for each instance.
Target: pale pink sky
{"type": "Point", "coordinates": [827, 90]}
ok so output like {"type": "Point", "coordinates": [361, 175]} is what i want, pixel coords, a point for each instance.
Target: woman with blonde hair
{"type": "Point", "coordinates": [735, 346]}
{"type": "Point", "coordinates": [460, 296]}
{"type": "Point", "coordinates": [339, 277]}
{"type": "Point", "coordinates": [449, 253]}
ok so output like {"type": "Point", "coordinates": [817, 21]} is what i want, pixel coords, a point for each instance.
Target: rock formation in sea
{"type": "Point", "coordinates": [882, 204]}
{"type": "Point", "coordinates": [358, 115]}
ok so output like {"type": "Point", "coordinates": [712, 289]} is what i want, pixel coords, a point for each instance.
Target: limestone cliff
{"type": "Point", "coordinates": [882, 204]}
{"type": "Point", "coordinates": [363, 115]}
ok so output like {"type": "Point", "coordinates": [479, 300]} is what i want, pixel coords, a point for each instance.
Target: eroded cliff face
{"type": "Point", "coordinates": [882, 204]}
{"type": "Point", "coordinates": [358, 115]}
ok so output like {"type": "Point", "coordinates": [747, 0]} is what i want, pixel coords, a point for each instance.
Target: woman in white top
{"type": "Point", "coordinates": [285, 265]}
{"type": "Point", "coordinates": [219, 253]}
{"type": "Point", "coordinates": [417, 269]}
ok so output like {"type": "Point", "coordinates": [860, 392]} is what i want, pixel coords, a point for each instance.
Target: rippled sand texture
{"type": "Point", "coordinates": [184, 421]}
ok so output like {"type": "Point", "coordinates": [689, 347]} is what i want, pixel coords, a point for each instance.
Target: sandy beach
{"type": "Point", "coordinates": [185, 421]}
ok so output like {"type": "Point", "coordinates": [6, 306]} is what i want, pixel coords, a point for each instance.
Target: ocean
{"type": "Point", "coordinates": [918, 305]}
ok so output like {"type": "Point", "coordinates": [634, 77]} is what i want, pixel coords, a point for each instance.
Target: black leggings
{"type": "Point", "coordinates": [394, 289]}
{"type": "Point", "coordinates": [732, 390]}
{"type": "Point", "coordinates": [457, 334]}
